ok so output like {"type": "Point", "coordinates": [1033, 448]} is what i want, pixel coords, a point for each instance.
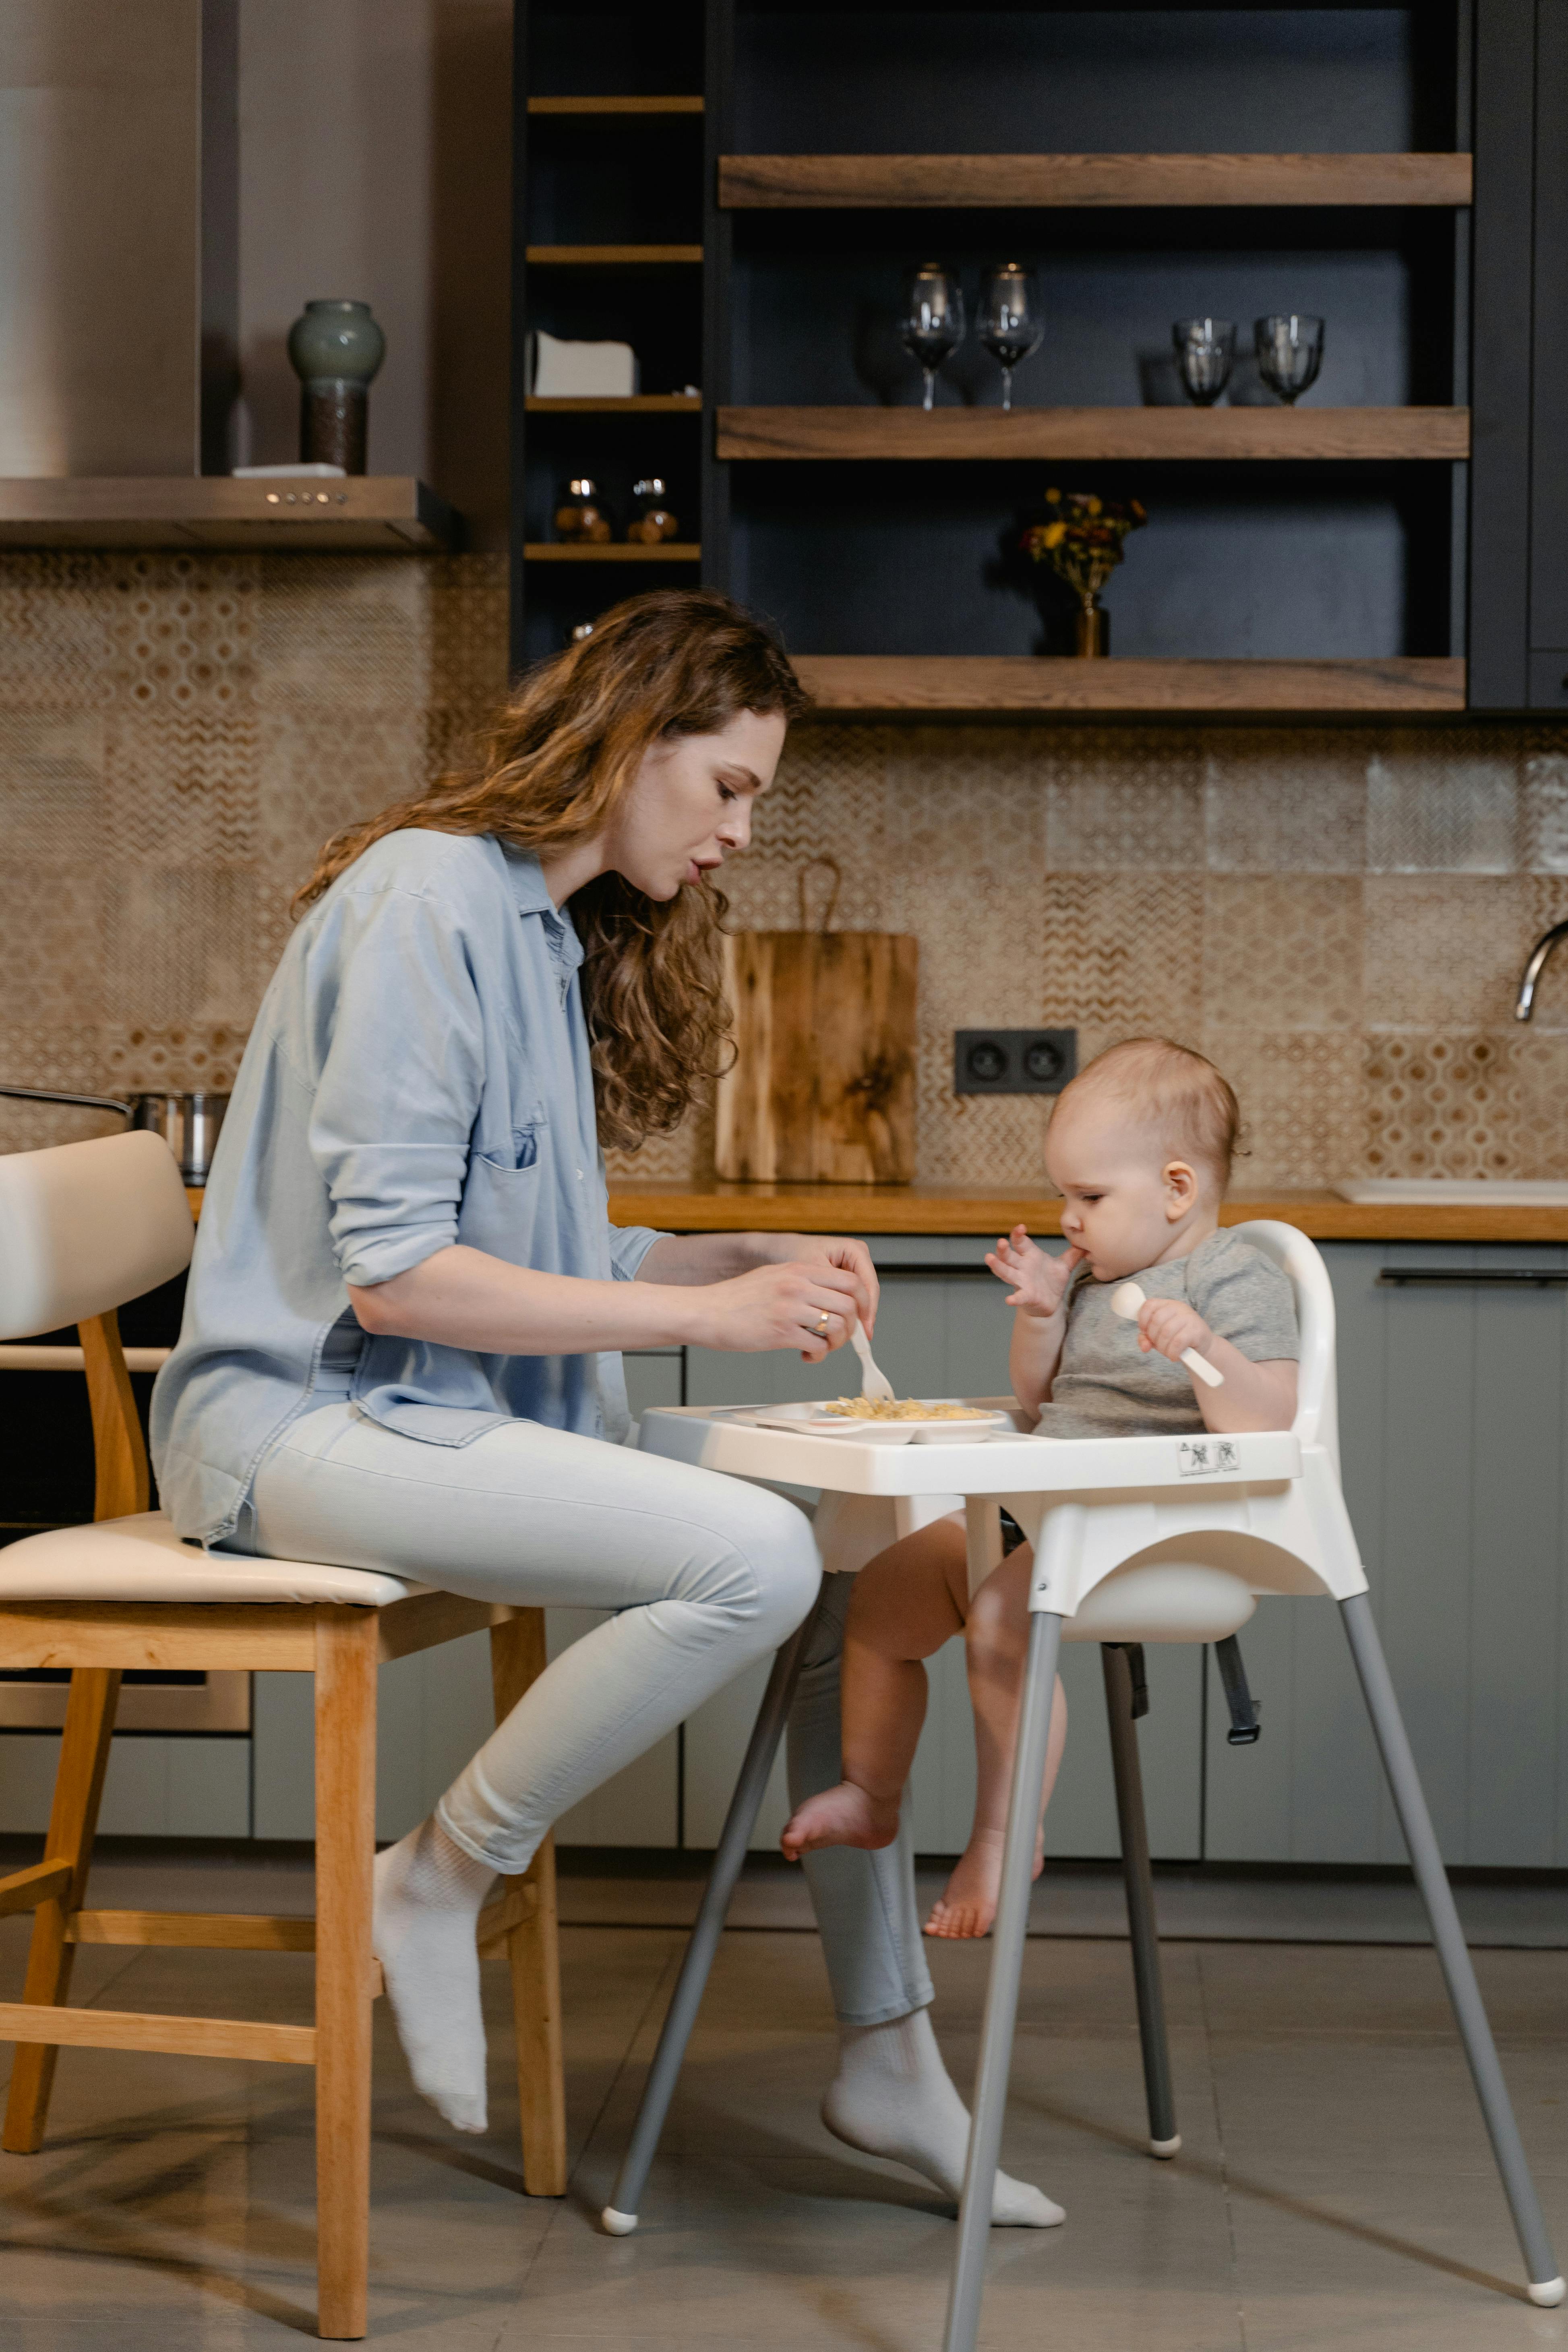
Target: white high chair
{"type": "Point", "coordinates": [83, 1228]}
{"type": "Point", "coordinates": [1136, 1539]}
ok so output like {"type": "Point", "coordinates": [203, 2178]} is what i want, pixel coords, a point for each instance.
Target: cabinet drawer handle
{"type": "Point", "coordinates": [1405, 1277]}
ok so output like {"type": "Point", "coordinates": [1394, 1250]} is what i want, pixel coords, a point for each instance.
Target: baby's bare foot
{"type": "Point", "coordinates": [843, 1816]}
{"type": "Point", "coordinates": [968, 1903]}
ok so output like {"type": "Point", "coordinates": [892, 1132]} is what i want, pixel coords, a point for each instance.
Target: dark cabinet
{"type": "Point", "coordinates": [738, 188]}
{"type": "Point", "coordinates": [1518, 522]}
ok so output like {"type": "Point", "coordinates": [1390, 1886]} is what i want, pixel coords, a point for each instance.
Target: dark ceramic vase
{"type": "Point", "coordinates": [335, 349]}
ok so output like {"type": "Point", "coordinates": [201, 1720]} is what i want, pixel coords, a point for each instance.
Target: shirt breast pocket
{"type": "Point", "coordinates": [500, 1211]}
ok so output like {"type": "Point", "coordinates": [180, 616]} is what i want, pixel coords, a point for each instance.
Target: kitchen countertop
{"type": "Point", "coordinates": [984, 1209]}
{"type": "Point", "coordinates": [992, 1209]}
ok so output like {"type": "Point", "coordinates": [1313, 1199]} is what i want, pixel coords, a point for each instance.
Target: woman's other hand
{"type": "Point", "coordinates": [808, 1305]}
{"type": "Point", "coordinates": [1040, 1280]}
{"type": "Point", "coordinates": [850, 1257]}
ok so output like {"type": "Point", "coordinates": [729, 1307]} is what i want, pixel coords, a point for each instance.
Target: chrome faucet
{"type": "Point", "coordinates": [1535, 967]}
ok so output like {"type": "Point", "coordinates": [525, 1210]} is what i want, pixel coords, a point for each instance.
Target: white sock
{"type": "Point", "coordinates": [428, 1892]}
{"type": "Point", "coordinates": [892, 2096]}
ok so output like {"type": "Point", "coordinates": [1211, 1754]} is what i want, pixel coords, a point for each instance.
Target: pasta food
{"type": "Point", "coordinates": [864, 1408]}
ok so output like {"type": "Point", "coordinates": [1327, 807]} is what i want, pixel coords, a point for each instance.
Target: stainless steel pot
{"type": "Point", "coordinates": [188, 1124]}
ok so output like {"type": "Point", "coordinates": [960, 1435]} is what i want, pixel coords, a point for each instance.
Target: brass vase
{"type": "Point", "coordinates": [1091, 629]}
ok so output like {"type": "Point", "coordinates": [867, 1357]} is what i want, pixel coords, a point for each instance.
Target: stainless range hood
{"type": "Point", "coordinates": [118, 264]}
{"type": "Point", "coordinates": [120, 298]}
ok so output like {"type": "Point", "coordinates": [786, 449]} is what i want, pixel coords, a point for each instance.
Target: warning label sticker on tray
{"type": "Point", "coordinates": [1208, 1457]}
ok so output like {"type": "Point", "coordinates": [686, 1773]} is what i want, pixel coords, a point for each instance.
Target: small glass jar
{"type": "Point", "coordinates": [580, 518]}
{"type": "Point", "coordinates": [653, 520]}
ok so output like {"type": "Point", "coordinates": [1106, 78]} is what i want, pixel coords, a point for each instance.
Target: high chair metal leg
{"type": "Point", "coordinates": [620, 2215]}
{"type": "Point", "coordinates": [1002, 1993]}
{"type": "Point", "coordinates": [1164, 2138]}
{"type": "Point", "coordinates": [1546, 2284]}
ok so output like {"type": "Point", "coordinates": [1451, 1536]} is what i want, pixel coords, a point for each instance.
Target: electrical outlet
{"type": "Point", "coordinates": [1013, 1061]}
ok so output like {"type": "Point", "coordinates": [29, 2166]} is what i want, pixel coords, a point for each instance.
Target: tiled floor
{"type": "Point", "coordinates": [1334, 2187]}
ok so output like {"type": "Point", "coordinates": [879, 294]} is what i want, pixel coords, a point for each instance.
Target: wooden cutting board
{"type": "Point", "coordinates": [823, 1089]}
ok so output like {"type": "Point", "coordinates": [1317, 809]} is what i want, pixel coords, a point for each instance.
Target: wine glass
{"type": "Point", "coordinates": [1205, 350]}
{"type": "Point", "coordinates": [1010, 321]}
{"type": "Point", "coordinates": [1289, 353]}
{"type": "Point", "coordinates": [933, 324]}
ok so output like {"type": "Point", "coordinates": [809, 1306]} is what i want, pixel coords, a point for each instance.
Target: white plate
{"type": "Point", "coordinates": [810, 1421]}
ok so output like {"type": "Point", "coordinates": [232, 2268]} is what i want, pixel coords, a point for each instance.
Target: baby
{"type": "Point", "coordinates": [1139, 1149]}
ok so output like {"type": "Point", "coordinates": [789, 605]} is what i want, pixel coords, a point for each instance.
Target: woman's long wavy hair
{"type": "Point", "coordinates": [552, 772]}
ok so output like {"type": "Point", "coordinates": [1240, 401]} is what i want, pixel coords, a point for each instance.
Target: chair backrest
{"type": "Point", "coordinates": [86, 1226]}
{"type": "Point", "coordinates": [1317, 1421]}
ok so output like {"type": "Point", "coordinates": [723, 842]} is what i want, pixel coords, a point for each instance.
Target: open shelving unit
{"type": "Point", "coordinates": [1388, 546]}
{"type": "Point", "coordinates": [608, 243]}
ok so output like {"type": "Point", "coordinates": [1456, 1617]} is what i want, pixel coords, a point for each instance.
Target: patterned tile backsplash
{"type": "Point", "coordinates": [1338, 915]}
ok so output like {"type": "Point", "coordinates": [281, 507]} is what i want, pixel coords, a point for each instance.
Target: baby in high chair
{"type": "Point", "coordinates": [1140, 1147]}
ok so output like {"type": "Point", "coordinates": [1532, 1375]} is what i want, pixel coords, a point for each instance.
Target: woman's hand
{"type": "Point", "coordinates": [710, 1258]}
{"type": "Point", "coordinates": [1040, 1280]}
{"type": "Point", "coordinates": [852, 1257]}
{"type": "Point", "coordinates": [806, 1305]}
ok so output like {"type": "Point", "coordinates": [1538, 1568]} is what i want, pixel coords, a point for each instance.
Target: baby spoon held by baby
{"type": "Point", "coordinates": [1139, 1149]}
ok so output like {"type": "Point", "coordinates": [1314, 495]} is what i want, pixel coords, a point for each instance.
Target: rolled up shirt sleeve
{"type": "Point", "coordinates": [629, 1245]}
{"type": "Point", "coordinates": [400, 1077]}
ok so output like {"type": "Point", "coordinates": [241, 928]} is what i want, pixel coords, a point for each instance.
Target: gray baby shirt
{"type": "Point", "coordinates": [1105, 1386]}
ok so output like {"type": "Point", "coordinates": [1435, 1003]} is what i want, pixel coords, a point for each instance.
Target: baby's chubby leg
{"type": "Point", "coordinates": [908, 1601]}
{"type": "Point", "coordinates": [997, 1642]}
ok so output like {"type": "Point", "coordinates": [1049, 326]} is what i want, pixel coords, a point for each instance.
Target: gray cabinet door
{"type": "Point", "coordinates": [1453, 1403]}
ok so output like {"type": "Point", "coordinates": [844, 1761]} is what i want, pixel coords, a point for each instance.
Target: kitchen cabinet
{"type": "Point", "coordinates": [1453, 1411]}
{"type": "Point", "coordinates": [159, 1784]}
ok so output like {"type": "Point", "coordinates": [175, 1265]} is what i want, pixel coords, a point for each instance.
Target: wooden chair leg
{"type": "Point", "coordinates": [517, 1659]}
{"type": "Point", "coordinates": [345, 1854]}
{"type": "Point", "coordinates": [73, 1822]}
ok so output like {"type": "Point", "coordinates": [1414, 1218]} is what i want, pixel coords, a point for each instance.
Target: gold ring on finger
{"type": "Point", "coordinates": [820, 1326]}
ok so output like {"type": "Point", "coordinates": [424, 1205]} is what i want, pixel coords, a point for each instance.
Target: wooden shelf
{"type": "Point", "coordinates": [597, 256]}
{"type": "Point", "coordinates": [389, 513]}
{"type": "Point", "coordinates": [1094, 433]}
{"type": "Point", "coordinates": [614, 105]}
{"type": "Point", "coordinates": [641, 403]}
{"type": "Point", "coordinates": [666, 551]}
{"type": "Point", "coordinates": [1045, 685]}
{"type": "Point", "coordinates": [797, 182]}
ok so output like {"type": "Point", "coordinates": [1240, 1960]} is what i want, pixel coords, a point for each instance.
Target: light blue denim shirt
{"type": "Point", "coordinates": [419, 1075]}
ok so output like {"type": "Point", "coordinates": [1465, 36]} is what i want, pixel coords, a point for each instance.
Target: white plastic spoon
{"type": "Point", "coordinates": [1127, 1299]}
{"type": "Point", "coordinates": [874, 1384]}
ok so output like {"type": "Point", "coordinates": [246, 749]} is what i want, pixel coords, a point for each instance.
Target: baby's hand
{"type": "Point", "coordinates": [1040, 1280]}
{"type": "Point", "coordinates": [1166, 1325]}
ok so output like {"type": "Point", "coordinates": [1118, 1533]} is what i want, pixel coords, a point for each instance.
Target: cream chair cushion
{"type": "Point", "coordinates": [143, 1558]}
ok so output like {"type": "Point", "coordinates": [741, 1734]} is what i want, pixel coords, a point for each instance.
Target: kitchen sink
{"type": "Point", "coordinates": [1442, 1190]}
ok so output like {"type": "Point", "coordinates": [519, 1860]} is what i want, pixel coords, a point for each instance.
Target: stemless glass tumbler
{"type": "Point", "coordinates": [1011, 325]}
{"type": "Point", "coordinates": [932, 325]}
{"type": "Point", "coordinates": [1205, 352]}
{"type": "Point", "coordinates": [1289, 353]}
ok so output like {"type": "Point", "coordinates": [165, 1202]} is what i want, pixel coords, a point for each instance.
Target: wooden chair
{"type": "Point", "coordinates": [83, 1228]}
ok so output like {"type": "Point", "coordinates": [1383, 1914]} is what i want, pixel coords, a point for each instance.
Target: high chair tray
{"type": "Point", "coordinates": [1004, 1463]}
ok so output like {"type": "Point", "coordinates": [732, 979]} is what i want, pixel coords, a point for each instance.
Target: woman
{"type": "Point", "coordinates": [402, 1333]}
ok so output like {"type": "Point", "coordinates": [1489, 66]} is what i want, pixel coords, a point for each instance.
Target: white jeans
{"type": "Point", "coordinates": [708, 1573]}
